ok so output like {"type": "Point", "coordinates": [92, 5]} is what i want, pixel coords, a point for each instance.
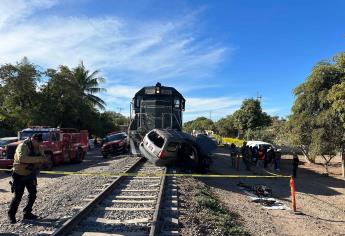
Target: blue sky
{"type": "Point", "coordinates": [216, 53]}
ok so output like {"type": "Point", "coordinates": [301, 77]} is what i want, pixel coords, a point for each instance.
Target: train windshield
{"type": "Point", "coordinates": [28, 134]}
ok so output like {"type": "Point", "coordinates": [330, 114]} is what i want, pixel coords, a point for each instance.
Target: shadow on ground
{"type": "Point", "coordinates": [307, 181]}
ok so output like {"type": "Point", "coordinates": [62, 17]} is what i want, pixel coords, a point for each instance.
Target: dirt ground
{"type": "Point", "coordinates": [320, 199]}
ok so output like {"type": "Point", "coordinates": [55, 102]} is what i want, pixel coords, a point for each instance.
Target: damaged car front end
{"type": "Point", "coordinates": [164, 147]}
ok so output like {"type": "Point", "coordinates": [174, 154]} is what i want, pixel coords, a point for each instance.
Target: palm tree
{"type": "Point", "coordinates": [87, 85]}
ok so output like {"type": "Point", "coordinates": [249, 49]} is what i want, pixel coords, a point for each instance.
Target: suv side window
{"type": "Point", "coordinates": [156, 139]}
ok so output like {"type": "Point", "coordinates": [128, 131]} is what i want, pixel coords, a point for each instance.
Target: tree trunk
{"type": "Point", "coordinates": [325, 164]}
{"type": "Point", "coordinates": [306, 155]}
{"type": "Point", "coordinates": [343, 162]}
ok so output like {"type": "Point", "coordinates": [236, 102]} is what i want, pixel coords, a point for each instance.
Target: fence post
{"type": "Point", "coordinates": [293, 194]}
{"type": "Point", "coordinates": [238, 161]}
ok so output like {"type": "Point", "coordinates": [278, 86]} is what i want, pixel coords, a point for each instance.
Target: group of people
{"type": "Point", "coordinates": [262, 157]}
{"type": "Point", "coordinates": [254, 156]}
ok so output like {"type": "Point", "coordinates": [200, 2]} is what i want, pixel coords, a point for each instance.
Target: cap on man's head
{"type": "Point", "coordinates": [38, 137]}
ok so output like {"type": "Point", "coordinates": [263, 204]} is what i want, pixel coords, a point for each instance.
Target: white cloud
{"type": "Point", "coordinates": [217, 107]}
{"type": "Point", "coordinates": [12, 11]}
{"type": "Point", "coordinates": [211, 104]}
{"type": "Point", "coordinates": [132, 54]}
{"type": "Point", "coordinates": [155, 50]}
{"type": "Point", "coordinates": [121, 91]}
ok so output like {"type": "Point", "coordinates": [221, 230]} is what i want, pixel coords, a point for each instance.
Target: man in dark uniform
{"type": "Point", "coordinates": [27, 160]}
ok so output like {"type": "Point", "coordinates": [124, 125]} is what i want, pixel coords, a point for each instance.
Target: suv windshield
{"type": "Point", "coordinates": [28, 134]}
{"type": "Point", "coordinates": [114, 137]}
{"type": "Point", "coordinates": [5, 142]}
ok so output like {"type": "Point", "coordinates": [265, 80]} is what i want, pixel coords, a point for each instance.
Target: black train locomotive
{"type": "Point", "coordinates": [156, 129]}
{"type": "Point", "coordinates": [155, 107]}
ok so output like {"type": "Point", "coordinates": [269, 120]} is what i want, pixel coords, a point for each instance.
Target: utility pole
{"type": "Point", "coordinates": [120, 109]}
{"type": "Point", "coordinates": [210, 115]}
{"type": "Point", "coordinates": [258, 96]}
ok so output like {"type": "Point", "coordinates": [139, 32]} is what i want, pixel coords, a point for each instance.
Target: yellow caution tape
{"type": "Point", "coordinates": [156, 174]}
{"type": "Point", "coordinates": [271, 173]}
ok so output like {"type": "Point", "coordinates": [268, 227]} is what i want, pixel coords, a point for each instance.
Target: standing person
{"type": "Point", "coordinates": [262, 157]}
{"type": "Point", "coordinates": [277, 157]}
{"type": "Point", "coordinates": [270, 156]}
{"type": "Point", "coordinates": [255, 154]}
{"type": "Point", "coordinates": [233, 154]}
{"type": "Point", "coordinates": [95, 143]}
{"type": "Point", "coordinates": [247, 156]}
{"type": "Point", "coordinates": [27, 160]}
{"type": "Point", "coordinates": [295, 162]}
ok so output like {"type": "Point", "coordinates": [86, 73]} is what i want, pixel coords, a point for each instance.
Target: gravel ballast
{"type": "Point", "coordinates": [58, 196]}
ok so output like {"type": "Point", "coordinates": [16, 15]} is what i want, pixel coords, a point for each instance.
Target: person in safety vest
{"type": "Point", "coordinates": [27, 160]}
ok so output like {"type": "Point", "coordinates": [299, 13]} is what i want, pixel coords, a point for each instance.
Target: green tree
{"type": "Point", "coordinates": [199, 124]}
{"type": "Point", "coordinates": [87, 85]}
{"type": "Point", "coordinates": [337, 98]}
{"type": "Point", "coordinates": [314, 125]}
{"type": "Point", "coordinates": [111, 121]}
{"type": "Point", "coordinates": [60, 102]}
{"type": "Point", "coordinates": [18, 93]}
{"type": "Point", "coordinates": [274, 133]}
{"type": "Point", "coordinates": [251, 117]}
{"type": "Point", "coordinates": [227, 127]}
{"type": "Point", "coordinates": [69, 98]}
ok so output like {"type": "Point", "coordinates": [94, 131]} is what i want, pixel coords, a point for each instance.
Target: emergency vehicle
{"type": "Point", "coordinates": [60, 145]}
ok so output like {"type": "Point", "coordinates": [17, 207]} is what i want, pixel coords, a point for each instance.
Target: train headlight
{"type": "Point", "coordinates": [158, 88]}
{"type": "Point", "coordinates": [3, 154]}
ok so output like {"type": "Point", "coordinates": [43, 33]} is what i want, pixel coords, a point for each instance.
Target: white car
{"type": "Point", "coordinates": [260, 143]}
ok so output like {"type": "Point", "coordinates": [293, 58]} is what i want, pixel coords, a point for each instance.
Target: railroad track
{"type": "Point", "coordinates": [131, 205]}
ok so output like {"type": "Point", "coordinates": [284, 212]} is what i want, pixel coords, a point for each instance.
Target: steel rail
{"type": "Point", "coordinates": [154, 230]}
{"type": "Point", "coordinates": [75, 220]}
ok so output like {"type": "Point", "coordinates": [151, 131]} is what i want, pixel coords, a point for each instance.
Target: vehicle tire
{"type": "Point", "coordinates": [50, 164]}
{"type": "Point", "coordinates": [79, 156]}
{"type": "Point", "coordinates": [193, 154]}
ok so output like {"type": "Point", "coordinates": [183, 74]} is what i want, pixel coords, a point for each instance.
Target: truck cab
{"type": "Point", "coordinates": [60, 145]}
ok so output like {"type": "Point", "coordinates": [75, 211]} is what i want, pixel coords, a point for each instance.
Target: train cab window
{"type": "Point", "coordinates": [156, 139]}
{"type": "Point", "coordinates": [182, 105]}
{"type": "Point", "coordinates": [177, 103]}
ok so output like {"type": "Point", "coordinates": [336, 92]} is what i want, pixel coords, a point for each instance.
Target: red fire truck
{"type": "Point", "coordinates": [60, 145]}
